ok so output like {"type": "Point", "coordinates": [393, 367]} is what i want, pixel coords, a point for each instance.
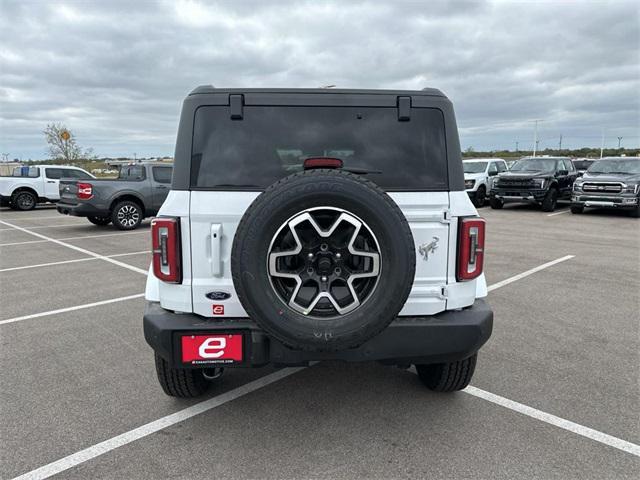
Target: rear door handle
{"type": "Point", "coordinates": [51, 181]}
{"type": "Point", "coordinates": [162, 187]}
{"type": "Point", "coordinates": [216, 261]}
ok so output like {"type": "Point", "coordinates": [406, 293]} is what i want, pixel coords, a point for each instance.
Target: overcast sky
{"type": "Point", "coordinates": [116, 72]}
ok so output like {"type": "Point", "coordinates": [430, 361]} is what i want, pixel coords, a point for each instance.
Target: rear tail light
{"type": "Point", "coordinates": [165, 235]}
{"type": "Point", "coordinates": [85, 191]}
{"type": "Point", "coordinates": [470, 248]}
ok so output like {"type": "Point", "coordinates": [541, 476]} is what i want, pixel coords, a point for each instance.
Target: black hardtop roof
{"type": "Point", "coordinates": [208, 89]}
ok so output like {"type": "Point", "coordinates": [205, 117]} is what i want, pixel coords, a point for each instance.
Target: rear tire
{"type": "Point", "coordinates": [100, 221]}
{"type": "Point", "coordinates": [24, 200]}
{"type": "Point", "coordinates": [496, 203]}
{"type": "Point", "coordinates": [550, 200]}
{"type": "Point", "coordinates": [180, 382]}
{"type": "Point", "coordinates": [127, 215]}
{"type": "Point", "coordinates": [448, 377]}
{"type": "Point", "coordinates": [481, 197]}
{"type": "Point", "coordinates": [577, 209]}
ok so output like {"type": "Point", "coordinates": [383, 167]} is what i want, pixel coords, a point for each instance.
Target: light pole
{"type": "Point", "coordinates": [602, 144]}
{"type": "Point", "coordinates": [517, 146]}
{"type": "Point", "coordinates": [619, 142]}
{"type": "Point", "coordinates": [535, 136]}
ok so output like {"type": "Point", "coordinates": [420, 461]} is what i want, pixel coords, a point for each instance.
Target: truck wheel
{"type": "Point", "coordinates": [101, 221]}
{"type": "Point", "coordinates": [24, 200]}
{"type": "Point", "coordinates": [126, 215]}
{"type": "Point", "coordinates": [496, 203]}
{"type": "Point", "coordinates": [550, 200]}
{"type": "Point", "coordinates": [448, 377]}
{"type": "Point", "coordinates": [481, 195]}
{"type": "Point", "coordinates": [180, 382]}
{"type": "Point", "coordinates": [323, 260]}
{"type": "Point", "coordinates": [577, 208]}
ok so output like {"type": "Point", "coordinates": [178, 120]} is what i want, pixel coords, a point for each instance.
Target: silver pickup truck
{"type": "Point", "coordinates": [138, 192]}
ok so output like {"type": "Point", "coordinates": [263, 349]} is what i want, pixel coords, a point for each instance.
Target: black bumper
{"type": "Point", "coordinates": [445, 337]}
{"type": "Point", "coordinates": [519, 195]}
{"type": "Point", "coordinates": [81, 210]}
{"type": "Point", "coordinates": [4, 201]}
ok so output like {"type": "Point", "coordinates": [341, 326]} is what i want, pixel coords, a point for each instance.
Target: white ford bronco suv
{"type": "Point", "coordinates": [315, 224]}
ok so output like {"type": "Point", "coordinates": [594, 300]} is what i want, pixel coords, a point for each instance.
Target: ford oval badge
{"type": "Point", "coordinates": [218, 295]}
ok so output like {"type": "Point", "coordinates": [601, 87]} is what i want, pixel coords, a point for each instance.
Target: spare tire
{"type": "Point", "coordinates": [323, 260]}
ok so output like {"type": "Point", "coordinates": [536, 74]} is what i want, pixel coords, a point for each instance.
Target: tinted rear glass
{"type": "Point", "coordinates": [273, 141]}
{"type": "Point", "coordinates": [162, 174]}
{"type": "Point", "coordinates": [131, 172]}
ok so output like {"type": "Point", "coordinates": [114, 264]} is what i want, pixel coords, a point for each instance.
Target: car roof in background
{"type": "Point", "coordinates": [488, 159]}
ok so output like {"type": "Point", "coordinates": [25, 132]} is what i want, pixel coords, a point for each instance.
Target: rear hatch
{"type": "Point", "coordinates": [235, 156]}
{"type": "Point", "coordinates": [69, 190]}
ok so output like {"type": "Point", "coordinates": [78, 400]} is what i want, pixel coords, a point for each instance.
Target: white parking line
{"type": "Point", "coordinates": [568, 425]}
{"type": "Point", "coordinates": [70, 309]}
{"type": "Point", "coordinates": [522, 275]}
{"type": "Point", "coordinates": [152, 427]}
{"type": "Point", "coordinates": [557, 213]}
{"type": "Point", "coordinates": [43, 226]}
{"type": "Point", "coordinates": [11, 269]}
{"type": "Point", "coordinates": [48, 239]}
{"type": "Point", "coordinates": [78, 249]}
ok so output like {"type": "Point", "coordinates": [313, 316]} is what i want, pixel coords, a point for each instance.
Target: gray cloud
{"type": "Point", "coordinates": [116, 72]}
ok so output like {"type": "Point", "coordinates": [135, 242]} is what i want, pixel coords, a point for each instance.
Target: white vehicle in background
{"type": "Point", "coordinates": [479, 174]}
{"type": "Point", "coordinates": [33, 184]}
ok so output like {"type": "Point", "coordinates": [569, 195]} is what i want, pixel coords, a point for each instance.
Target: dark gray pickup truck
{"type": "Point", "coordinates": [138, 192]}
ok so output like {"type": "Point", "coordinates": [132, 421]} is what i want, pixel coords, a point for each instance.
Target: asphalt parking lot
{"type": "Point", "coordinates": [555, 394]}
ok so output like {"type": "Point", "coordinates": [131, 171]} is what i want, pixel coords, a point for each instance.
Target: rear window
{"type": "Point", "coordinates": [131, 172]}
{"type": "Point", "coordinates": [272, 142]}
{"type": "Point", "coordinates": [53, 172]}
{"type": "Point", "coordinates": [30, 172]}
{"type": "Point", "coordinates": [162, 174]}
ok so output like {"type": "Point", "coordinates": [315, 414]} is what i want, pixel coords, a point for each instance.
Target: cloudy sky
{"type": "Point", "coordinates": [116, 72]}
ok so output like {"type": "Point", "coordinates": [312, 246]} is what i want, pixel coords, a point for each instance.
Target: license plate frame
{"type": "Point", "coordinates": [235, 348]}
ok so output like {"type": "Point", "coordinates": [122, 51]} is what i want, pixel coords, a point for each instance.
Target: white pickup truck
{"type": "Point", "coordinates": [36, 183]}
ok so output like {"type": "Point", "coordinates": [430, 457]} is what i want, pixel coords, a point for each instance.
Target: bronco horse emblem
{"type": "Point", "coordinates": [426, 248]}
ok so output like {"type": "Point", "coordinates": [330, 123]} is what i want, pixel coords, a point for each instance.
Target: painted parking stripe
{"type": "Point", "coordinates": [78, 249]}
{"type": "Point", "coordinates": [45, 226]}
{"type": "Point", "coordinates": [152, 427]}
{"type": "Point", "coordinates": [11, 269]}
{"type": "Point", "coordinates": [70, 309]}
{"type": "Point", "coordinates": [557, 213]}
{"type": "Point", "coordinates": [545, 417]}
{"type": "Point", "coordinates": [522, 275]}
{"type": "Point", "coordinates": [67, 238]}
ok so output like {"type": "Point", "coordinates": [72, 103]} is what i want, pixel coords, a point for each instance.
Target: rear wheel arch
{"type": "Point", "coordinates": [128, 197]}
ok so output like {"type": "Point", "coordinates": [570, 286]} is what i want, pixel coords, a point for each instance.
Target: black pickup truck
{"type": "Point", "coordinates": [138, 192]}
{"type": "Point", "coordinates": [612, 182]}
{"type": "Point", "coordinates": [538, 180]}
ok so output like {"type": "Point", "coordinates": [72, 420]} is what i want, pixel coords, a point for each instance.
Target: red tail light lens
{"type": "Point", "coordinates": [165, 240]}
{"type": "Point", "coordinates": [322, 162]}
{"type": "Point", "coordinates": [470, 248]}
{"type": "Point", "coordinates": [85, 191]}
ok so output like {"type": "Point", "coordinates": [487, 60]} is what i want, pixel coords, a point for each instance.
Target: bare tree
{"type": "Point", "coordinates": [62, 144]}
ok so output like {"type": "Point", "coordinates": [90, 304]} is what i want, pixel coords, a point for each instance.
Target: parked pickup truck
{"type": "Point", "coordinates": [479, 174]}
{"type": "Point", "coordinates": [537, 180]}
{"type": "Point", "coordinates": [611, 182]}
{"type": "Point", "coordinates": [29, 185]}
{"type": "Point", "coordinates": [138, 192]}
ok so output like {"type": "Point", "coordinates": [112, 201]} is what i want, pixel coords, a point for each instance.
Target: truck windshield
{"type": "Point", "coordinates": [615, 166]}
{"type": "Point", "coordinates": [271, 142]}
{"type": "Point", "coordinates": [474, 167]}
{"type": "Point", "coordinates": [534, 165]}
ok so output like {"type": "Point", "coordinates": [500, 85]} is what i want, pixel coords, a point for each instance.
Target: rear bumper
{"type": "Point", "coordinates": [604, 201]}
{"type": "Point", "coordinates": [445, 337]}
{"type": "Point", "coordinates": [81, 210]}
